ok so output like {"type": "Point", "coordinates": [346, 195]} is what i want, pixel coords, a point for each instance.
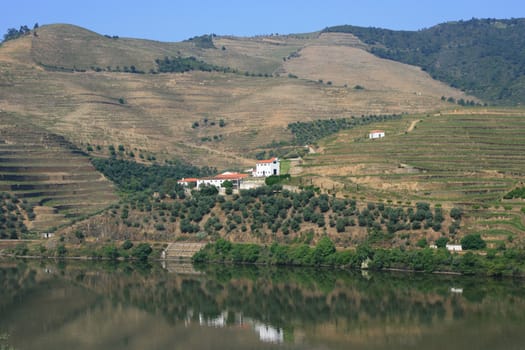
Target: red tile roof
{"type": "Point", "coordinates": [189, 179]}
{"type": "Point", "coordinates": [231, 176]}
{"type": "Point", "coordinates": [376, 131]}
{"type": "Point", "coordinates": [271, 160]}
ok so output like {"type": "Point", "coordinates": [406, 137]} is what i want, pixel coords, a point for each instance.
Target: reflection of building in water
{"type": "Point", "coordinates": [218, 322]}
{"type": "Point", "coordinates": [179, 268]}
{"type": "Point", "coordinates": [456, 290]}
{"type": "Point", "coordinates": [267, 333]}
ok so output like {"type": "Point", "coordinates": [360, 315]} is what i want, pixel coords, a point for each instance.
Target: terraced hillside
{"type": "Point", "coordinates": [467, 158]}
{"type": "Point", "coordinates": [50, 173]}
{"type": "Point", "coordinates": [472, 158]}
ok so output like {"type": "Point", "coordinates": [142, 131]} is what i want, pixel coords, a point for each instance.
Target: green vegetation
{"type": "Point", "coordinates": [142, 251]}
{"type": "Point", "coordinates": [203, 41]}
{"type": "Point", "coordinates": [186, 64]}
{"type": "Point", "coordinates": [516, 193]}
{"type": "Point", "coordinates": [13, 33]}
{"type": "Point", "coordinates": [13, 212]}
{"type": "Point", "coordinates": [277, 179]}
{"type": "Point", "coordinates": [285, 167]}
{"type": "Point", "coordinates": [510, 263]}
{"type": "Point", "coordinates": [484, 57]}
{"type": "Point", "coordinates": [473, 158]}
{"type": "Point", "coordinates": [306, 133]}
{"type": "Point", "coordinates": [107, 251]}
{"type": "Point", "coordinates": [132, 177]}
{"type": "Point", "coordinates": [296, 299]}
{"type": "Point", "coordinates": [473, 242]}
{"type": "Point", "coordinates": [271, 213]}
{"type": "Point", "coordinates": [61, 251]}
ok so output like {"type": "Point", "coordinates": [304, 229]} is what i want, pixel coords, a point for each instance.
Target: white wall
{"type": "Point", "coordinates": [376, 135]}
{"type": "Point", "coordinates": [267, 169]}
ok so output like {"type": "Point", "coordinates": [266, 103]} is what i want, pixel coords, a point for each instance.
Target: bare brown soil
{"type": "Point", "coordinates": [159, 110]}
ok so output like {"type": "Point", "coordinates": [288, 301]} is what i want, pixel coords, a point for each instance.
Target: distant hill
{"type": "Point", "coordinates": [484, 57]}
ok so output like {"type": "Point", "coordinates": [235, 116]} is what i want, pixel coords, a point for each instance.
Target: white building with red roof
{"type": "Point", "coordinates": [217, 181]}
{"type": "Point", "coordinates": [268, 167]}
{"type": "Point", "coordinates": [376, 134]}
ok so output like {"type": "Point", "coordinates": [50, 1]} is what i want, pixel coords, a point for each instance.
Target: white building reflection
{"type": "Point", "coordinates": [267, 333]}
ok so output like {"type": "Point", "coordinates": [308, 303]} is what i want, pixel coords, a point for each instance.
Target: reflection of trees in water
{"type": "Point", "coordinates": [279, 296]}
{"type": "Point", "coordinates": [15, 280]}
{"type": "Point", "coordinates": [308, 296]}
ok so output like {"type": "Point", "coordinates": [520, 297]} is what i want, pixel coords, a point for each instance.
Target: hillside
{"type": "Point", "coordinates": [50, 177]}
{"type": "Point", "coordinates": [432, 177]}
{"type": "Point", "coordinates": [68, 94]}
{"type": "Point", "coordinates": [484, 57]}
{"type": "Point", "coordinates": [470, 159]}
{"type": "Point", "coordinates": [60, 79]}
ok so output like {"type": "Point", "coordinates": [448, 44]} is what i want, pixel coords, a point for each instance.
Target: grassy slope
{"type": "Point", "coordinates": [468, 158]}
{"type": "Point", "coordinates": [342, 59]}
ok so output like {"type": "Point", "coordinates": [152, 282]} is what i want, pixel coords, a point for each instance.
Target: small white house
{"type": "Point", "coordinates": [268, 167]}
{"type": "Point", "coordinates": [47, 235]}
{"type": "Point", "coordinates": [376, 134]}
{"type": "Point", "coordinates": [454, 247]}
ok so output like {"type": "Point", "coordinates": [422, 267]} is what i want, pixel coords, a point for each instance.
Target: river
{"type": "Point", "coordinates": [85, 305]}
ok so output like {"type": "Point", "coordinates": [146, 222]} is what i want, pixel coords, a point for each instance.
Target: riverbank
{"type": "Point", "coordinates": [510, 262]}
{"type": "Point", "coordinates": [121, 251]}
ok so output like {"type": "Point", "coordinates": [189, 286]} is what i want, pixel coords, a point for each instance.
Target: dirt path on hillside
{"type": "Point", "coordinates": [413, 125]}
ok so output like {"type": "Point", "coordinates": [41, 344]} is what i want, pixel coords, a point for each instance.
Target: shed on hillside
{"type": "Point", "coordinates": [454, 247]}
{"type": "Point", "coordinates": [376, 134]}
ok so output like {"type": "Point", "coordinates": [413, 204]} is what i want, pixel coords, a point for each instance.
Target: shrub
{"type": "Point", "coordinates": [473, 241]}
{"type": "Point", "coordinates": [324, 248]}
{"type": "Point", "coordinates": [20, 249]}
{"type": "Point", "coordinates": [142, 251]}
{"type": "Point", "coordinates": [127, 244]}
{"type": "Point", "coordinates": [441, 242]}
{"type": "Point", "coordinates": [61, 250]}
{"type": "Point", "coordinates": [456, 213]}
{"type": "Point", "coordinates": [111, 252]}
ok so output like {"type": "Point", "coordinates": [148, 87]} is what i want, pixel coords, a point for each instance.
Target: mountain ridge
{"type": "Point", "coordinates": [484, 57]}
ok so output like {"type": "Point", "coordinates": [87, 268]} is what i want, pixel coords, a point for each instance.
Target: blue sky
{"type": "Point", "coordinates": [178, 20]}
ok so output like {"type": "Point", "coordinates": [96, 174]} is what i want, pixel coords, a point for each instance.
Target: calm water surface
{"type": "Point", "coordinates": [47, 305]}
